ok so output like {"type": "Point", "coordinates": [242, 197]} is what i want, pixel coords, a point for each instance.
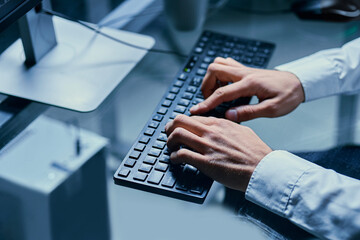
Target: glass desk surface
{"type": "Point", "coordinates": [224, 215]}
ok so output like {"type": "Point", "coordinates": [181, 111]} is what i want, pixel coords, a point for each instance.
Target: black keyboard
{"type": "Point", "coordinates": [147, 165]}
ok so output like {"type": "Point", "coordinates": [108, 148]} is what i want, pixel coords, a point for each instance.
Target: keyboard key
{"type": "Point", "coordinates": [175, 90]}
{"type": "Point", "coordinates": [201, 72]}
{"type": "Point", "coordinates": [184, 102]}
{"type": "Point", "coordinates": [191, 89]}
{"type": "Point", "coordinates": [198, 50]}
{"type": "Point", "coordinates": [205, 39]}
{"type": "Point", "coordinates": [158, 117]}
{"type": "Point", "coordinates": [135, 154]}
{"type": "Point", "coordinates": [162, 137]}
{"type": "Point", "coordinates": [155, 177]}
{"type": "Point", "coordinates": [140, 176]}
{"type": "Point", "coordinates": [159, 144]}
{"type": "Point", "coordinates": [201, 44]}
{"type": "Point", "coordinates": [161, 167]}
{"type": "Point", "coordinates": [162, 111]}
{"type": "Point", "coordinates": [211, 53]}
{"type": "Point", "coordinates": [204, 66]}
{"type": "Point", "coordinates": [200, 95]}
{"type": "Point", "coordinates": [179, 84]}
{"type": "Point", "coordinates": [171, 96]}
{"type": "Point", "coordinates": [197, 190]}
{"type": "Point", "coordinates": [144, 139]}
{"type": "Point", "coordinates": [166, 151]}
{"type": "Point", "coordinates": [154, 124]}
{"type": "Point", "coordinates": [154, 152]}
{"type": "Point", "coordinates": [140, 147]}
{"type": "Point", "coordinates": [164, 159]}
{"type": "Point", "coordinates": [196, 81]}
{"type": "Point", "coordinates": [185, 181]}
{"type": "Point", "coordinates": [208, 59]}
{"type": "Point", "coordinates": [169, 180]}
{"type": "Point", "coordinates": [166, 103]}
{"type": "Point", "coordinates": [174, 114]}
{"type": "Point", "coordinates": [182, 186]}
{"type": "Point", "coordinates": [150, 160]}
{"type": "Point", "coordinates": [130, 162]}
{"type": "Point", "coordinates": [124, 172]}
{"type": "Point", "coordinates": [197, 101]}
{"type": "Point", "coordinates": [226, 50]}
{"type": "Point", "coordinates": [149, 132]}
{"type": "Point", "coordinates": [188, 96]}
{"type": "Point", "coordinates": [182, 76]}
{"type": "Point", "coordinates": [180, 109]}
{"type": "Point", "coordinates": [146, 168]}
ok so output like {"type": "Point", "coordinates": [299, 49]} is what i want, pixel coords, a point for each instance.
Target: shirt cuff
{"type": "Point", "coordinates": [318, 74]}
{"type": "Point", "coordinates": [274, 179]}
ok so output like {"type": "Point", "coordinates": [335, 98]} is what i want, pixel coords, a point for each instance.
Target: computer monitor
{"type": "Point", "coordinates": [12, 10]}
{"type": "Point", "coordinates": [68, 66]}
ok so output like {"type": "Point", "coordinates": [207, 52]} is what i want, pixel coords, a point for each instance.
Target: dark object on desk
{"type": "Point", "coordinates": [12, 10]}
{"type": "Point", "coordinates": [147, 165]}
{"type": "Point", "coordinates": [327, 10]}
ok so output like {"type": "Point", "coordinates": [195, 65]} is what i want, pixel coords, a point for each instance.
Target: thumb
{"type": "Point", "coordinates": [249, 112]}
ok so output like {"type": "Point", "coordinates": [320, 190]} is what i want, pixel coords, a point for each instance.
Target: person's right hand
{"type": "Point", "coordinates": [278, 92]}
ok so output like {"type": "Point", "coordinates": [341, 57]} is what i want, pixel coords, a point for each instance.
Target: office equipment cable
{"type": "Point", "coordinates": [97, 30]}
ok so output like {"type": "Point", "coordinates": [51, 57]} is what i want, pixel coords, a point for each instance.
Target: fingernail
{"type": "Point", "coordinates": [194, 108]}
{"type": "Point", "coordinates": [232, 115]}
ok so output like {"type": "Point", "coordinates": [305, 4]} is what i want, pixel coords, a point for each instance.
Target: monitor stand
{"type": "Point", "coordinates": [77, 73]}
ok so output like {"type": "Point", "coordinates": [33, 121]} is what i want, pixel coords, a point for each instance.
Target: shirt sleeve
{"type": "Point", "coordinates": [328, 72]}
{"type": "Point", "coordinates": [319, 200]}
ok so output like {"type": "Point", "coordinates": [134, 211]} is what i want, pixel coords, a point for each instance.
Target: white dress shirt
{"type": "Point", "coordinates": [319, 200]}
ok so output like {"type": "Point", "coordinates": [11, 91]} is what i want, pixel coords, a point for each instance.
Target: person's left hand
{"type": "Point", "coordinates": [221, 149]}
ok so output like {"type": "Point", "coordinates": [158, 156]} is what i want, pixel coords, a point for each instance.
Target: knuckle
{"type": "Point", "coordinates": [179, 119]}
{"type": "Point", "coordinates": [251, 79]}
{"type": "Point", "coordinates": [218, 59]}
{"type": "Point", "coordinates": [181, 153]}
{"type": "Point", "coordinates": [213, 121]}
{"type": "Point", "coordinates": [212, 67]}
{"type": "Point", "coordinates": [272, 109]}
{"type": "Point", "coordinates": [177, 133]}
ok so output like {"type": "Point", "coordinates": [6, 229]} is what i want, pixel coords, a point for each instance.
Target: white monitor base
{"type": "Point", "coordinates": [79, 73]}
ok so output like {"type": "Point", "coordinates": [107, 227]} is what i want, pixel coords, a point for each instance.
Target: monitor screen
{"type": "Point", "coordinates": [12, 10]}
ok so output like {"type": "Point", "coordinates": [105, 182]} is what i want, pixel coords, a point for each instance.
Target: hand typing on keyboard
{"type": "Point", "coordinates": [278, 92]}
{"type": "Point", "coordinates": [147, 165]}
{"type": "Point", "coordinates": [223, 150]}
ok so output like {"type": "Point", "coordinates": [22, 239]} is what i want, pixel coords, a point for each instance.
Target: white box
{"type": "Point", "coordinates": [47, 191]}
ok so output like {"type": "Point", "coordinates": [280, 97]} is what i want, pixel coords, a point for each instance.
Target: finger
{"type": "Point", "coordinates": [248, 112]}
{"type": "Point", "coordinates": [218, 72]}
{"type": "Point", "coordinates": [186, 122]}
{"type": "Point", "coordinates": [182, 137]}
{"type": "Point", "coordinates": [228, 61]}
{"type": "Point", "coordinates": [224, 94]}
{"type": "Point", "coordinates": [234, 63]}
{"type": "Point", "coordinates": [187, 156]}
{"type": "Point", "coordinates": [205, 120]}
